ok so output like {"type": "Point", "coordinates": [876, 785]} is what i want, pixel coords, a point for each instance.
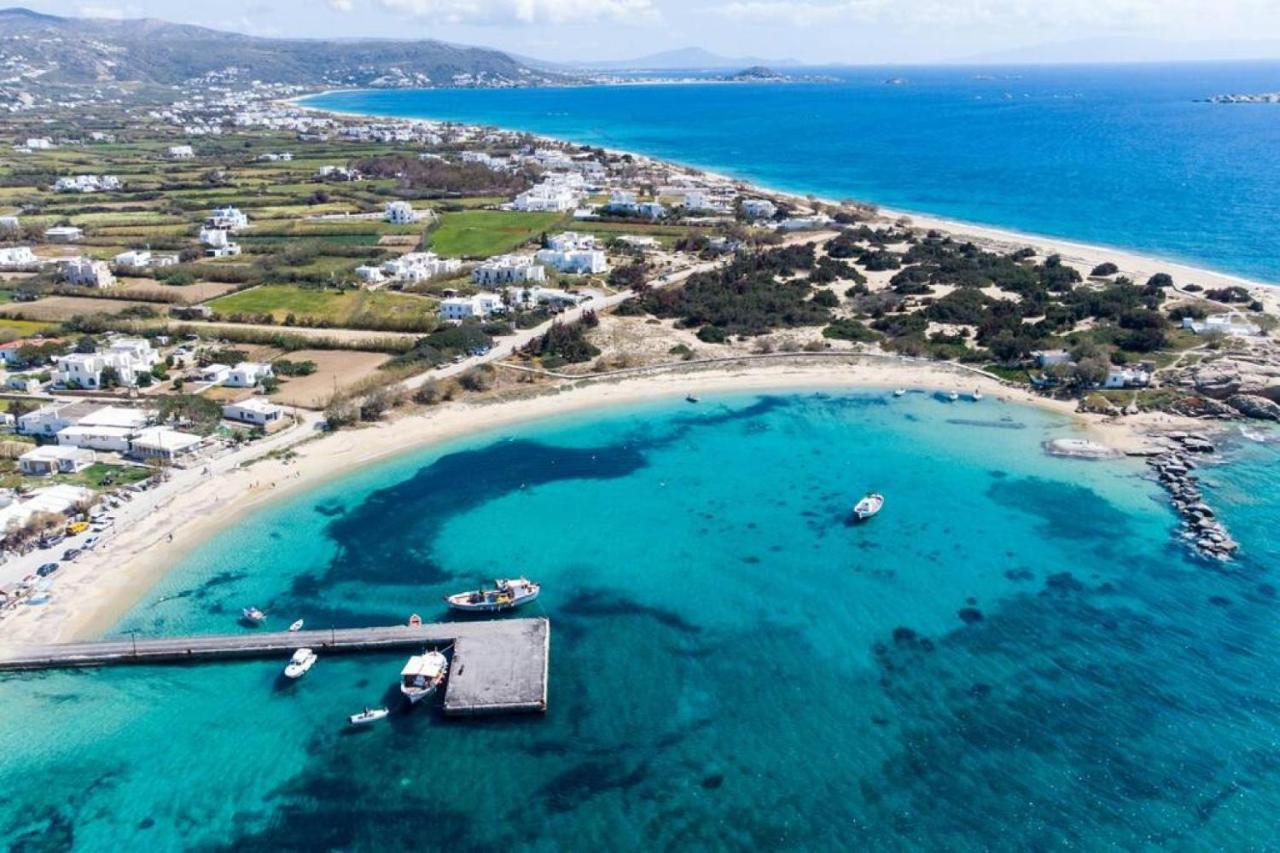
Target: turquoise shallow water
{"type": "Point", "coordinates": [1013, 655]}
{"type": "Point", "coordinates": [1119, 155]}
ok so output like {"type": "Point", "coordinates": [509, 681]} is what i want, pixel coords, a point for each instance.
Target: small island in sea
{"type": "Point", "coordinates": [757, 519]}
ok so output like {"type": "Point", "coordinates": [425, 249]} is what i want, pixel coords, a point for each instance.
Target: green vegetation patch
{"type": "Point", "coordinates": [484, 233]}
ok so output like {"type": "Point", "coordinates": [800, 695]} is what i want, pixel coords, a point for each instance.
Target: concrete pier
{"type": "Point", "coordinates": [499, 666]}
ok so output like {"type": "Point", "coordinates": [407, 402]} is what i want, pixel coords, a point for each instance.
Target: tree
{"type": "Point", "coordinates": [1092, 370]}
{"type": "Point", "coordinates": [1103, 269]}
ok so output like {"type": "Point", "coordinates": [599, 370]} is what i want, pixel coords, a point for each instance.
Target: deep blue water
{"type": "Point", "coordinates": [1115, 155]}
{"type": "Point", "coordinates": [1014, 655]}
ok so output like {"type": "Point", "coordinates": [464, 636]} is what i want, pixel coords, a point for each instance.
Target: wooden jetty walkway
{"type": "Point", "coordinates": [499, 666]}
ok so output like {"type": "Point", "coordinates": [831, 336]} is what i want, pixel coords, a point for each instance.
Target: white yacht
{"type": "Point", "coordinates": [300, 664]}
{"type": "Point", "coordinates": [296, 626]}
{"type": "Point", "coordinates": [253, 615]}
{"type": "Point", "coordinates": [423, 675]}
{"type": "Point", "coordinates": [368, 715]}
{"type": "Point", "coordinates": [977, 395]}
{"type": "Point", "coordinates": [507, 595]}
{"type": "Point", "coordinates": [952, 396]}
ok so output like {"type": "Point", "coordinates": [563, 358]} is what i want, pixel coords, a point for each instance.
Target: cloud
{"type": "Point", "coordinates": [529, 11]}
{"type": "Point", "coordinates": [341, 5]}
{"type": "Point", "coordinates": [113, 13]}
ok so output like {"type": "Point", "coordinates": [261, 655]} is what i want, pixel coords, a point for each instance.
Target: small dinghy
{"type": "Point", "coordinates": [368, 715]}
{"type": "Point", "coordinates": [868, 506]}
{"type": "Point", "coordinates": [414, 620]}
{"type": "Point", "coordinates": [952, 396]}
{"type": "Point", "coordinates": [691, 398]}
{"type": "Point", "coordinates": [507, 595]}
{"type": "Point", "coordinates": [300, 664]}
{"type": "Point", "coordinates": [296, 626]}
{"type": "Point", "coordinates": [899, 392]}
{"type": "Point", "coordinates": [977, 395]}
{"type": "Point", "coordinates": [253, 616]}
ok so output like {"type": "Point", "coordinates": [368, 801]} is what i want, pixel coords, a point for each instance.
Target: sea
{"type": "Point", "coordinates": [1015, 654]}
{"type": "Point", "coordinates": [1127, 156]}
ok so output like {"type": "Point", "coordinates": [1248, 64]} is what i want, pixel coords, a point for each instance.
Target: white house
{"type": "Point", "coordinates": [1125, 377]}
{"type": "Point", "coordinates": [163, 443]}
{"type": "Point", "coordinates": [804, 223]}
{"type": "Point", "coordinates": [508, 269]}
{"type": "Point", "coordinates": [88, 272]}
{"type": "Point", "coordinates": [1046, 358]}
{"type": "Point", "coordinates": [180, 152]}
{"type": "Point", "coordinates": [38, 143]}
{"type": "Point", "coordinates": [228, 218]}
{"type": "Point", "coordinates": [570, 240]}
{"type": "Point", "coordinates": [86, 184]}
{"type": "Point", "coordinates": [758, 208]}
{"type": "Point", "coordinates": [215, 373]}
{"type": "Point", "coordinates": [141, 258]}
{"type": "Point", "coordinates": [61, 499]}
{"type": "Point", "coordinates": [254, 410]}
{"type": "Point", "coordinates": [622, 200]}
{"type": "Point", "coordinates": [9, 223]}
{"type": "Point", "coordinates": [55, 459]}
{"type": "Point", "coordinates": [400, 213]}
{"type": "Point", "coordinates": [64, 234]}
{"type": "Point", "coordinates": [218, 243]}
{"type": "Point", "coordinates": [368, 274]}
{"type": "Point", "coordinates": [458, 308]}
{"type": "Point", "coordinates": [17, 256]}
{"type": "Point", "coordinates": [108, 439]}
{"type": "Point", "coordinates": [247, 374]}
{"type": "Point", "coordinates": [1232, 323]}
{"type": "Point", "coordinates": [574, 261]}
{"type": "Point", "coordinates": [49, 420]}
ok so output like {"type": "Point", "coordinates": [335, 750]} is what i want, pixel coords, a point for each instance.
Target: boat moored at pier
{"type": "Point", "coordinates": [506, 595]}
{"type": "Point", "coordinates": [422, 676]}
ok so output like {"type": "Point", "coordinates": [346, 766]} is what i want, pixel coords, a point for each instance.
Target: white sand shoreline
{"type": "Point", "coordinates": [1133, 262]}
{"type": "Point", "coordinates": [93, 593]}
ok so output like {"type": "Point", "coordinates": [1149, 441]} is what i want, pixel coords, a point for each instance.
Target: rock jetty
{"type": "Point", "coordinates": [1200, 528]}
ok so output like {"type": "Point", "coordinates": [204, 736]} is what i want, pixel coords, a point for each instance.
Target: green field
{"type": "Point", "coordinates": [484, 233]}
{"type": "Point", "coordinates": [352, 308]}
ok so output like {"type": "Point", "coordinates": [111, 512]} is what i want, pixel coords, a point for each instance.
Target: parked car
{"type": "Point", "coordinates": [90, 542]}
{"type": "Point", "coordinates": [47, 569]}
{"type": "Point", "coordinates": [70, 554]}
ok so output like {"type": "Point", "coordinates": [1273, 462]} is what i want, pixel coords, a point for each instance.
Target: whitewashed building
{"type": "Point", "coordinates": [180, 152]}
{"type": "Point", "coordinates": [254, 410]}
{"type": "Point", "coordinates": [88, 272]}
{"type": "Point", "coordinates": [532, 297]}
{"type": "Point", "coordinates": [86, 184]}
{"type": "Point", "coordinates": [508, 269]}
{"type": "Point", "coordinates": [758, 208]}
{"type": "Point", "coordinates": [247, 374]}
{"type": "Point", "coordinates": [129, 357]}
{"type": "Point", "coordinates": [420, 266]}
{"type": "Point", "coordinates": [482, 305]}
{"type": "Point", "coordinates": [64, 234]}
{"type": "Point", "coordinates": [228, 218]}
{"type": "Point", "coordinates": [17, 256]}
{"type": "Point", "coordinates": [163, 443]}
{"type": "Point", "coordinates": [547, 197]}
{"type": "Point", "coordinates": [400, 213]}
{"type": "Point", "coordinates": [55, 459]}
{"type": "Point", "coordinates": [10, 223]}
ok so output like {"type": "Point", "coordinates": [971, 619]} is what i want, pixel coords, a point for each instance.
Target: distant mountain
{"type": "Point", "coordinates": [41, 49]}
{"type": "Point", "coordinates": [1115, 49]}
{"type": "Point", "coordinates": [684, 59]}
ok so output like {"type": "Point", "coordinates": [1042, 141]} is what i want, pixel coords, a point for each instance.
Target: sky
{"type": "Point", "coordinates": [813, 31]}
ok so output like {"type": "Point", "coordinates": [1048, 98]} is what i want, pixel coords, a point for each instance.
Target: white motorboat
{"type": "Point", "coordinates": [253, 615]}
{"type": "Point", "coordinates": [868, 506]}
{"type": "Point", "coordinates": [423, 675]}
{"type": "Point", "coordinates": [952, 396]}
{"type": "Point", "coordinates": [300, 664]}
{"type": "Point", "coordinates": [507, 595]}
{"type": "Point", "coordinates": [899, 392]}
{"type": "Point", "coordinates": [368, 715]}
{"type": "Point", "coordinates": [296, 626]}
{"type": "Point", "coordinates": [977, 395]}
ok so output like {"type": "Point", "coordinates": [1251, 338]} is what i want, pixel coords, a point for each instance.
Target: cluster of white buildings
{"type": "Point", "coordinates": [574, 253]}
{"type": "Point", "coordinates": [508, 269]}
{"type": "Point", "coordinates": [85, 426]}
{"type": "Point", "coordinates": [338, 173]}
{"type": "Point", "coordinates": [180, 152]}
{"type": "Point", "coordinates": [481, 305]}
{"type": "Point", "coordinates": [87, 272]}
{"type": "Point", "coordinates": [228, 218]}
{"type": "Point", "coordinates": [128, 357]}
{"type": "Point", "coordinates": [276, 157]}
{"type": "Point", "coordinates": [87, 184]}
{"type": "Point", "coordinates": [487, 303]}
{"type": "Point", "coordinates": [410, 267]}
{"type": "Point", "coordinates": [246, 374]}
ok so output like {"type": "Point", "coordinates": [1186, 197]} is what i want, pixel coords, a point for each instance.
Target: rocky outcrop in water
{"type": "Point", "coordinates": [1200, 529]}
{"type": "Point", "coordinates": [1223, 378]}
{"type": "Point", "coordinates": [1253, 406]}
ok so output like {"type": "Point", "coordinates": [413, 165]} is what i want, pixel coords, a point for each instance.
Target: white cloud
{"type": "Point", "coordinates": [114, 13]}
{"type": "Point", "coordinates": [530, 11]}
{"type": "Point", "coordinates": [341, 5]}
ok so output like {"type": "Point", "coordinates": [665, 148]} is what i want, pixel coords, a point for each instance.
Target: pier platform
{"type": "Point", "coordinates": [499, 666]}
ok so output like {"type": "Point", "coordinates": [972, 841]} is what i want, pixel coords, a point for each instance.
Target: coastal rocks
{"type": "Point", "coordinates": [1200, 529]}
{"type": "Point", "coordinates": [1253, 406]}
{"type": "Point", "coordinates": [1078, 448]}
{"type": "Point", "coordinates": [1224, 378]}
{"type": "Point", "coordinates": [1201, 407]}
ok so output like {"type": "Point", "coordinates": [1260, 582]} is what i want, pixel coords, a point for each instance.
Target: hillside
{"type": "Point", "coordinates": [40, 49]}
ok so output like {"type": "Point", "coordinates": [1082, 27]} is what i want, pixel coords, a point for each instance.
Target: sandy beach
{"type": "Point", "coordinates": [92, 593]}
